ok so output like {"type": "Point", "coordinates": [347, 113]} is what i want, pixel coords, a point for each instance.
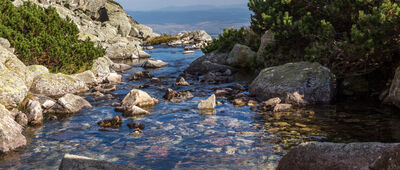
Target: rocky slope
{"type": "Point", "coordinates": [104, 22]}
{"type": "Point", "coordinates": [29, 92]}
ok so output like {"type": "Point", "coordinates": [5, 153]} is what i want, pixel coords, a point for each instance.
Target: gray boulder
{"type": "Point", "coordinates": [138, 98]}
{"type": "Point", "coordinates": [12, 88]}
{"type": "Point", "coordinates": [70, 104]}
{"type": "Point", "coordinates": [212, 62]}
{"type": "Point", "coordinates": [298, 83]}
{"type": "Point", "coordinates": [74, 162]}
{"type": "Point", "coordinates": [101, 67]}
{"type": "Point", "coordinates": [240, 55]}
{"type": "Point", "coordinates": [57, 85]}
{"type": "Point", "coordinates": [88, 77]}
{"type": "Point", "coordinates": [10, 132]}
{"type": "Point", "coordinates": [318, 155]}
{"type": "Point", "coordinates": [154, 64]}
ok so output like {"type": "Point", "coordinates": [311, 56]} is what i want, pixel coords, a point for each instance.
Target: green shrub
{"type": "Point", "coordinates": [230, 37]}
{"type": "Point", "coordinates": [40, 36]}
{"type": "Point", "coordinates": [163, 38]}
{"type": "Point", "coordinates": [115, 3]}
{"type": "Point", "coordinates": [350, 37]}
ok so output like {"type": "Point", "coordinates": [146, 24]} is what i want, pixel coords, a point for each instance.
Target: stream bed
{"type": "Point", "coordinates": [178, 136]}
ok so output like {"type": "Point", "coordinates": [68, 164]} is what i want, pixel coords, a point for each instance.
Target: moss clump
{"type": "Point", "coordinates": [41, 36]}
{"type": "Point", "coordinates": [164, 38]}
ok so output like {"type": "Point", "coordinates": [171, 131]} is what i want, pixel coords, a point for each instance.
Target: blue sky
{"type": "Point", "coordinates": [145, 5]}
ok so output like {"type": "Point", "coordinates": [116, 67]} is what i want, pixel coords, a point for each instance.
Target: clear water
{"type": "Point", "coordinates": [177, 136]}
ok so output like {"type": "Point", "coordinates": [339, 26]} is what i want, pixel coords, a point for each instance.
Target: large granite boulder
{"type": "Point", "coordinates": [142, 31]}
{"type": "Point", "coordinates": [12, 88]}
{"type": "Point", "coordinates": [34, 112]}
{"type": "Point", "coordinates": [37, 70]}
{"type": "Point", "coordinates": [318, 155]}
{"type": "Point", "coordinates": [10, 132]}
{"type": "Point", "coordinates": [74, 162]}
{"type": "Point", "coordinates": [57, 85]}
{"type": "Point", "coordinates": [295, 83]}
{"type": "Point", "coordinates": [240, 55]}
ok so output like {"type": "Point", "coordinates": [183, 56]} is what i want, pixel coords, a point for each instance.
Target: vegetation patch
{"type": "Point", "coordinates": [115, 3]}
{"type": "Point", "coordinates": [163, 38]}
{"type": "Point", "coordinates": [227, 40]}
{"type": "Point", "coordinates": [41, 36]}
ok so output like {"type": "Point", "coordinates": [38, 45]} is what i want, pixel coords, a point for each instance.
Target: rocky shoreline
{"type": "Point", "coordinates": [27, 93]}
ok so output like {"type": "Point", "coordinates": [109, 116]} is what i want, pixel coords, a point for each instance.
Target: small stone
{"type": "Point", "coordinates": [221, 92]}
{"type": "Point", "coordinates": [155, 80]}
{"type": "Point", "coordinates": [135, 110]}
{"type": "Point", "coordinates": [48, 104]}
{"type": "Point", "coordinates": [52, 117]}
{"type": "Point", "coordinates": [97, 94]}
{"type": "Point", "coordinates": [281, 124]}
{"type": "Point", "coordinates": [115, 104]}
{"type": "Point", "coordinates": [141, 75]}
{"type": "Point", "coordinates": [115, 122]}
{"type": "Point", "coordinates": [149, 47]}
{"type": "Point", "coordinates": [252, 103]}
{"type": "Point", "coordinates": [154, 64]}
{"type": "Point", "coordinates": [282, 107]}
{"type": "Point", "coordinates": [230, 150]}
{"type": "Point", "coordinates": [21, 119]}
{"type": "Point", "coordinates": [271, 103]}
{"type": "Point", "coordinates": [181, 82]}
{"type": "Point", "coordinates": [239, 102]}
{"type": "Point", "coordinates": [300, 125]}
{"type": "Point", "coordinates": [34, 113]}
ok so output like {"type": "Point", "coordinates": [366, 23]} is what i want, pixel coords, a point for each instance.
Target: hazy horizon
{"type": "Point", "coordinates": [150, 5]}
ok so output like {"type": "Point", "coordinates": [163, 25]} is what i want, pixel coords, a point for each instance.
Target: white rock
{"type": "Point", "coordinates": [208, 104]}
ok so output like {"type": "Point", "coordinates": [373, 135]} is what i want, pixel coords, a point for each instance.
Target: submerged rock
{"type": "Point", "coordinates": [141, 75]}
{"type": "Point", "coordinates": [313, 82]}
{"type": "Point", "coordinates": [115, 122]}
{"type": "Point", "coordinates": [57, 85]}
{"type": "Point", "coordinates": [70, 162]}
{"type": "Point", "coordinates": [208, 104]}
{"type": "Point", "coordinates": [334, 156]}
{"type": "Point", "coordinates": [154, 64]}
{"type": "Point", "coordinates": [136, 126]}
{"type": "Point", "coordinates": [10, 132]}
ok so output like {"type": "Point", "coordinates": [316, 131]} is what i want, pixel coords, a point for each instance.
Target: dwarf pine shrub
{"type": "Point", "coordinates": [41, 36]}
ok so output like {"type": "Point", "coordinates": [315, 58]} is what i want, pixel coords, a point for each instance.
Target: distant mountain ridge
{"type": "Point", "coordinates": [213, 19]}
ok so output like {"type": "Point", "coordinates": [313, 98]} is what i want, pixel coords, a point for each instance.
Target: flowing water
{"type": "Point", "coordinates": [178, 136]}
